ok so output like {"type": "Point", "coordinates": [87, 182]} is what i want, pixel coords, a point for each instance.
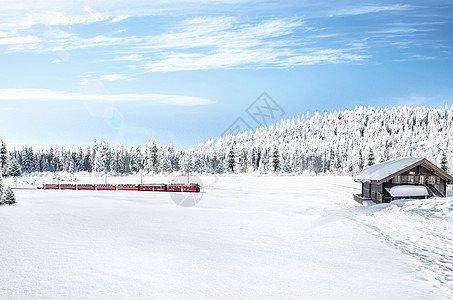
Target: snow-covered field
{"type": "Point", "coordinates": [248, 238]}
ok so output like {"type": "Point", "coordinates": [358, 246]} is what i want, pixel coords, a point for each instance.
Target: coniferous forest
{"type": "Point", "coordinates": [337, 143]}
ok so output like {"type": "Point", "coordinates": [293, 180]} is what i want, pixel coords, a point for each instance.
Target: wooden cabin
{"type": "Point", "coordinates": [409, 177]}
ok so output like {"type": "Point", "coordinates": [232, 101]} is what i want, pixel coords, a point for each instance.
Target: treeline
{"type": "Point", "coordinates": [339, 143]}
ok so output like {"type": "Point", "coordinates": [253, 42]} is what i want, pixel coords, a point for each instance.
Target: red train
{"type": "Point", "coordinates": [174, 187]}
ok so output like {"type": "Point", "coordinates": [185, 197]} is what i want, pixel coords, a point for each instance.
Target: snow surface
{"type": "Point", "coordinates": [248, 238]}
{"type": "Point", "coordinates": [408, 191]}
{"type": "Point", "coordinates": [380, 171]}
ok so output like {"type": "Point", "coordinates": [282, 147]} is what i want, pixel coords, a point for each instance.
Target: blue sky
{"type": "Point", "coordinates": [183, 71]}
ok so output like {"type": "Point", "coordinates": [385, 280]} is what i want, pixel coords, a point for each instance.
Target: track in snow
{"type": "Point", "coordinates": [421, 229]}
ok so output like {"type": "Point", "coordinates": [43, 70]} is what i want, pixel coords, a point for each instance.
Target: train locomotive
{"type": "Point", "coordinates": [173, 187]}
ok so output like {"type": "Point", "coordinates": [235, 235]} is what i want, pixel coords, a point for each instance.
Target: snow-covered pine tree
{"type": "Point", "coordinates": [264, 162]}
{"type": "Point", "coordinates": [444, 162]}
{"type": "Point", "coordinates": [8, 196]}
{"type": "Point", "coordinates": [186, 163]}
{"type": "Point", "coordinates": [165, 164]}
{"type": "Point", "coordinates": [94, 150]}
{"type": "Point", "coordinates": [219, 167]}
{"type": "Point", "coordinates": [154, 157]}
{"type": "Point", "coordinates": [370, 158]}
{"type": "Point", "coordinates": [102, 158]}
{"type": "Point", "coordinates": [231, 161]}
{"type": "Point", "coordinates": [1, 186]}
{"type": "Point", "coordinates": [146, 158]}
{"type": "Point", "coordinates": [276, 163]}
{"type": "Point", "coordinates": [4, 158]}
{"type": "Point", "coordinates": [79, 160]}
{"type": "Point", "coordinates": [116, 162]}
{"type": "Point", "coordinates": [138, 158]}
{"type": "Point", "coordinates": [87, 166]}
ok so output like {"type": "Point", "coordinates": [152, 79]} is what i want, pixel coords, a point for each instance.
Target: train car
{"type": "Point", "coordinates": [153, 187]}
{"type": "Point", "coordinates": [180, 187]}
{"type": "Point", "coordinates": [86, 187]}
{"type": "Point", "coordinates": [127, 187]}
{"type": "Point", "coordinates": [175, 187]}
{"type": "Point", "coordinates": [51, 186]}
{"type": "Point", "coordinates": [67, 186]}
{"type": "Point", "coordinates": [192, 187]}
{"type": "Point", "coordinates": [105, 187]}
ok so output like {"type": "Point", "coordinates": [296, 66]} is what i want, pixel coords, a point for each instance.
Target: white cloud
{"type": "Point", "coordinates": [19, 40]}
{"type": "Point", "coordinates": [132, 57]}
{"type": "Point", "coordinates": [119, 18]}
{"type": "Point", "coordinates": [114, 77]}
{"type": "Point", "coordinates": [49, 95]}
{"type": "Point", "coordinates": [367, 9]}
{"type": "Point", "coordinates": [23, 14]}
{"type": "Point", "coordinates": [403, 31]}
{"type": "Point", "coordinates": [56, 61]}
{"type": "Point", "coordinates": [324, 56]}
{"type": "Point", "coordinates": [229, 44]}
{"type": "Point", "coordinates": [222, 42]}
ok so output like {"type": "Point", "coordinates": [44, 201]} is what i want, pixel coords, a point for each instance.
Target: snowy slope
{"type": "Point", "coordinates": [248, 237]}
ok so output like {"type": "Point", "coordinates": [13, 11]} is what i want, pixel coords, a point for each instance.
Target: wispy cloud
{"type": "Point", "coordinates": [16, 40]}
{"type": "Point", "coordinates": [207, 42]}
{"type": "Point", "coordinates": [228, 44]}
{"type": "Point", "coordinates": [24, 14]}
{"type": "Point", "coordinates": [211, 43]}
{"type": "Point", "coordinates": [132, 57]}
{"type": "Point", "coordinates": [368, 9]}
{"type": "Point", "coordinates": [325, 56]}
{"type": "Point", "coordinates": [49, 95]}
{"type": "Point", "coordinates": [115, 77]}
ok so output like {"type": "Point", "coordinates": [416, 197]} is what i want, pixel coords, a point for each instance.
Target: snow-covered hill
{"type": "Point", "coordinates": [340, 143]}
{"type": "Point", "coordinates": [249, 237]}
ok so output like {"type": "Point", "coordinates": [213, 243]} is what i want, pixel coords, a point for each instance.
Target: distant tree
{"type": "Point", "coordinates": [371, 158]}
{"type": "Point", "coordinates": [186, 163]}
{"type": "Point", "coordinates": [28, 162]}
{"type": "Point", "coordinates": [117, 165]}
{"type": "Point", "coordinates": [231, 161]}
{"type": "Point", "coordinates": [263, 166]}
{"type": "Point", "coordinates": [94, 150]}
{"type": "Point", "coordinates": [276, 163]}
{"type": "Point", "coordinates": [8, 196]}
{"type": "Point", "coordinates": [220, 167]}
{"type": "Point", "coordinates": [138, 158]}
{"type": "Point", "coordinates": [154, 157]}
{"type": "Point", "coordinates": [87, 166]}
{"type": "Point", "coordinates": [14, 168]}
{"type": "Point", "coordinates": [1, 186]}
{"type": "Point", "coordinates": [165, 164]}
{"type": "Point", "coordinates": [3, 158]}
{"type": "Point", "coordinates": [444, 162]}
{"type": "Point", "coordinates": [79, 160]}
{"type": "Point", "coordinates": [102, 158]}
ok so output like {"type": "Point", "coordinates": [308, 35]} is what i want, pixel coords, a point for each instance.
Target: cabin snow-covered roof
{"type": "Point", "coordinates": [382, 172]}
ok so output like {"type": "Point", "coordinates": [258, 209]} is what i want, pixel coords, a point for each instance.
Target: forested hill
{"type": "Point", "coordinates": [340, 143]}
